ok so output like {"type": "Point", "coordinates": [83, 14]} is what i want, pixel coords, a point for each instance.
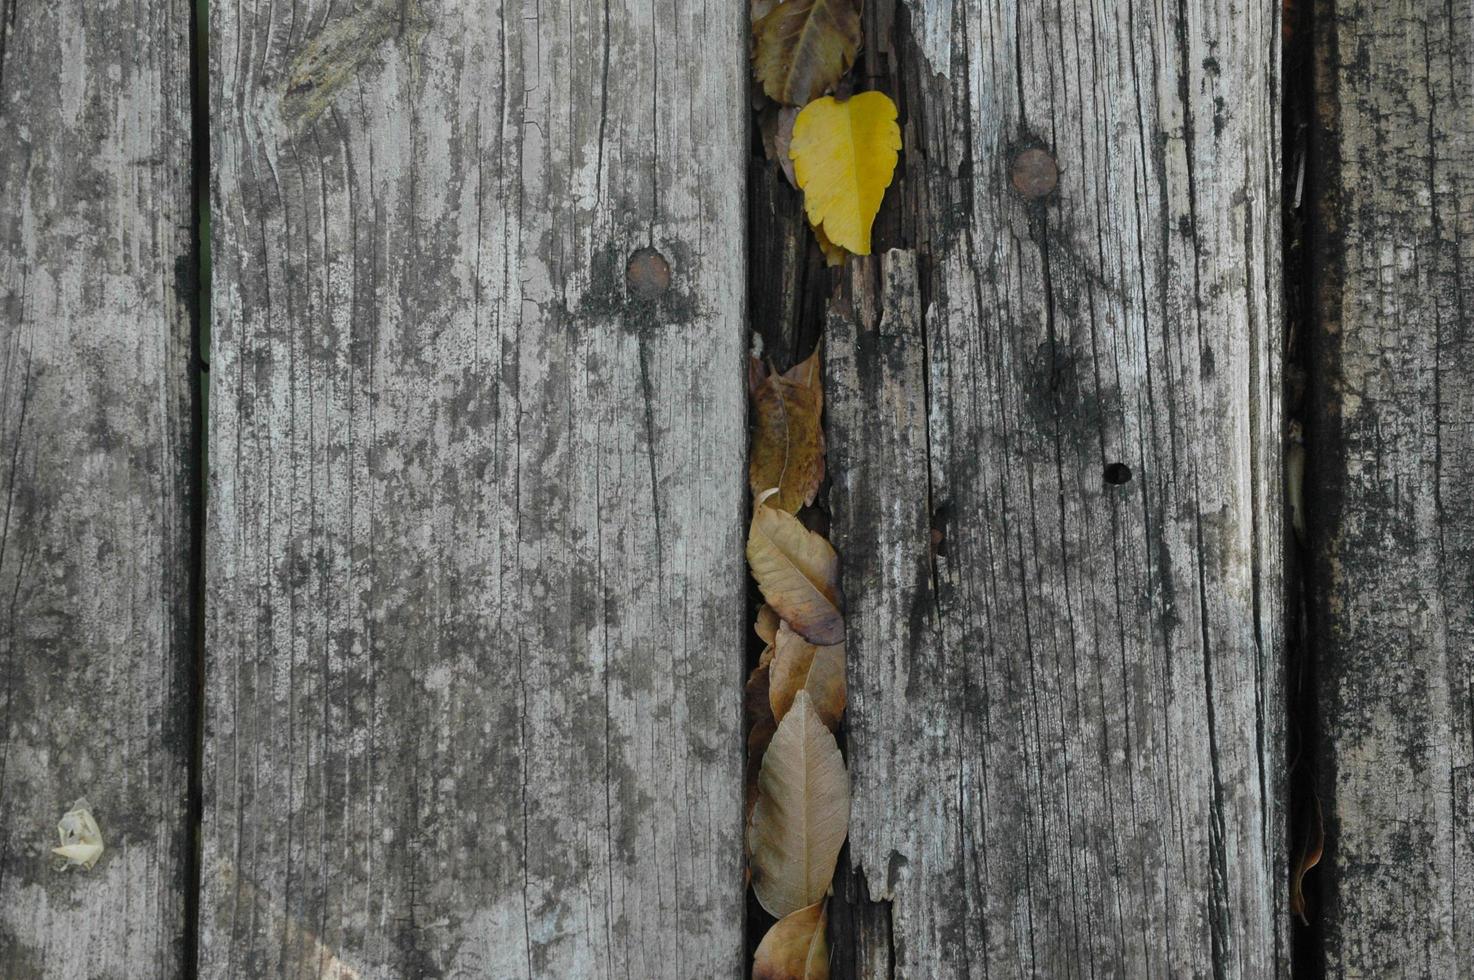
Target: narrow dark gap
{"type": "Point", "coordinates": [1299, 188]}
{"type": "Point", "coordinates": [199, 78]}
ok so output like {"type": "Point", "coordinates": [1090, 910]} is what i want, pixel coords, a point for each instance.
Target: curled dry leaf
{"type": "Point", "coordinates": [802, 812]}
{"type": "Point", "coordinates": [783, 141]}
{"type": "Point", "coordinates": [788, 443]}
{"type": "Point", "coordinates": [844, 155]}
{"type": "Point", "coordinates": [757, 705]}
{"type": "Point", "coordinates": [1309, 857]}
{"type": "Point", "coordinates": [834, 255]}
{"type": "Point", "coordinates": [799, 665]}
{"type": "Point", "coordinates": [81, 840]}
{"type": "Point", "coordinates": [775, 125]}
{"type": "Point", "coordinates": [757, 708]}
{"type": "Point", "coordinates": [797, 572]}
{"type": "Point", "coordinates": [767, 128]}
{"type": "Point", "coordinates": [767, 623]}
{"type": "Point", "coordinates": [756, 372]}
{"type": "Point", "coordinates": [796, 947]}
{"type": "Point", "coordinates": [804, 46]}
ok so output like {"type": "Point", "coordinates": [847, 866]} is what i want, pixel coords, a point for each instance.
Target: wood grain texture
{"type": "Point", "coordinates": [476, 505]}
{"type": "Point", "coordinates": [1391, 448]}
{"type": "Point", "coordinates": [96, 654]}
{"type": "Point", "coordinates": [1066, 711]}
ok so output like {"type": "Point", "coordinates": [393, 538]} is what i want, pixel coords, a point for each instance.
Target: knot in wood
{"type": "Point", "coordinates": [647, 274]}
{"type": "Point", "coordinates": [1035, 174]}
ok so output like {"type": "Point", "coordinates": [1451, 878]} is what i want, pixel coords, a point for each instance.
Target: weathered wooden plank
{"type": "Point", "coordinates": [1065, 724]}
{"type": "Point", "coordinates": [1391, 448]}
{"type": "Point", "coordinates": [475, 529]}
{"type": "Point", "coordinates": [96, 652]}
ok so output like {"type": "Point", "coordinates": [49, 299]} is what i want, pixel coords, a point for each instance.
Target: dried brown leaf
{"type": "Point", "coordinates": [796, 947]}
{"type": "Point", "coordinates": [788, 441]}
{"type": "Point", "coordinates": [797, 572]}
{"type": "Point", "coordinates": [799, 665]}
{"type": "Point", "coordinates": [803, 47]}
{"type": "Point", "coordinates": [802, 812]}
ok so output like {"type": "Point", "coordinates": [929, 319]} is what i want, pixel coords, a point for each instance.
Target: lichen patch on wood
{"type": "Point", "coordinates": [342, 48]}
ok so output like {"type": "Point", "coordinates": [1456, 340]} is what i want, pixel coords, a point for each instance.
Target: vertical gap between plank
{"type": "Point", "coordinates": [1300, 190]}
{"type": "Point", "coordinates": [756, 239]}
{"type": "Point", "coordinates": [199, 450]}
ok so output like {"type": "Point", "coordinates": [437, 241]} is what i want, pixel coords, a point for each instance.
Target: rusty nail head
{"type": "Point", "coordinates": [1035, 173]}
{"type": "Point", "coordinates": [647, 274]}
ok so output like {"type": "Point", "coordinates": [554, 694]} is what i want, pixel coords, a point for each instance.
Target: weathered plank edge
{"type": "Point", "coordinates": [96, 411]}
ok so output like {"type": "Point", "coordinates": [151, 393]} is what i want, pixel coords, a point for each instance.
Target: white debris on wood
{"type": "Point", "coordinates": [81, 840]}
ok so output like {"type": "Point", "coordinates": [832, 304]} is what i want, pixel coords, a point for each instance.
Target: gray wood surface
{"type": "Point", "coordinates": [1391, 448]}
{"type": "Point", "coordinates": [477, 601]}
{"type": "Point", "coordinates": [1066, 707]}
{"type": "Point", "coordinates": [96, 652]}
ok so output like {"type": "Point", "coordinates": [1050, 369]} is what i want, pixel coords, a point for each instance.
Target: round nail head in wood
{"type": "Point", "coordinates": [1035, 173]}
{"type": "Point", "coordinates": [647, 274]}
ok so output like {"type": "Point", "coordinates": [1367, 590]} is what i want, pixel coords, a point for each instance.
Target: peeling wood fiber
{"type": "Point", "coordinates": [1066, 715]}
{"type": "Point", "coordinates": [475, 525]}
{"type": "Point", "coordinates": [1391, 449]}
{"type": "Point", "coordinates": [96, 652]}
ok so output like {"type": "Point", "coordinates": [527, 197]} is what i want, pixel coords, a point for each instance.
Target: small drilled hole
{"type": "Point", "coordinates": [1117, 474]}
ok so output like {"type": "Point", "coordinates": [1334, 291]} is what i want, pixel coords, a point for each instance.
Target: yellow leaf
{"type": "Point", "coordinates": [799, 665]}
{"type": "Point", "coordinates": [844, 154]}
{"type": "Point", "coordinates": [802, 812]}
{"type": "Point", "coordinates": [802, 47]}
{"type": "Point", "coordinates": [796, 948]}
{"type": "Point", "coordinates": [797, 572]}
{"type": "Point", "coordinates": [788, 442]}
